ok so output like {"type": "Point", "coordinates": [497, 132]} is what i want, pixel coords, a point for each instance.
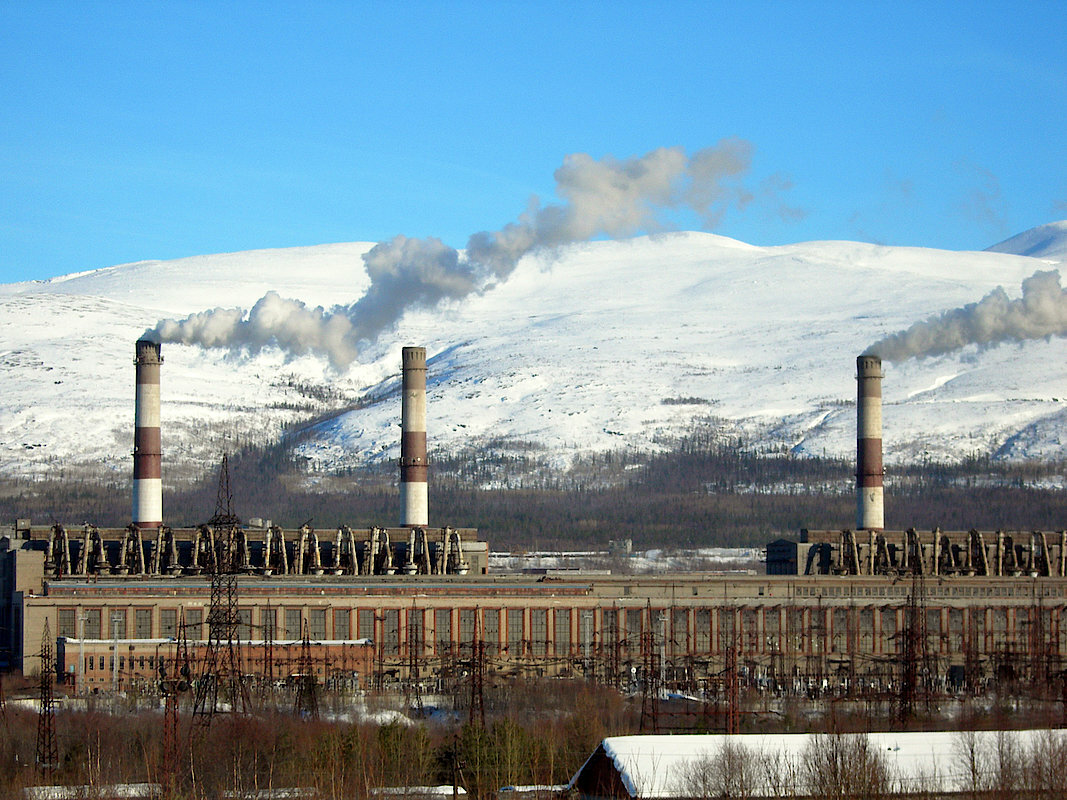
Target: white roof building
{"type": "Point", "coordinates": [790, 765]}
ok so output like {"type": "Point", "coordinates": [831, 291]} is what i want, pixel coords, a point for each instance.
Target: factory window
{"type": "Point", "coordinates": [609, 628]}
{"type": "Point", "coordinates": [317, 623]}
{"type": "Point", "coordinates": [244, 624]}
{"type": "Point", "coordinates": [563, 631]}
{"type": "Point", "coordinates": [66, 622]}
{"type": "Point", "coordinates": [292, 624]}
{"type": "Point", "coordinates": [391, 633]}
{"type": "Point", "coordinates": [840, 621]}
{"type": "Point", "coordinates": [365, 623]}
{"type": "Point", "coordinates": [515, 631]}
{"type": "Point", "coordinates": [539, 631]}
{"type": "Point", "coordinates": [168, 623]}
{"type": "Point", "coordinates": [442, 623]}
{"type": "Point", "coordinates": [680, 629]}
{"type": "Point", "coordinates": [194, 623]}
{"type": "Point", "coordinates": [101, 662]}
{"type": "Point", "coordinates": [585, 631]}
{"type": "Point", "coordinates": [796, 630]}
{"type": "Point", "coordinates": [633, 628]}
{"type": "Point", "coordinates": [116, 618]}
{"type": "Point", "coordinates": [491, 623]}
{"type": "Point", "coordinates": [466, 625]}
{"type": "Point", "coordinates": [268, 623]}
{"type": "Point", "coordinates": [142, 623]}
{"type": "Point", "coordinates": [342, 623]}
{"type": "Point", "coordinates": [703, 629]}
{"type": "Point", "coordinates": [91, 623]}
{"type": "Point", "coordinates": [416, 636]}
{"type": "Point", "coordinates": [750, 625]}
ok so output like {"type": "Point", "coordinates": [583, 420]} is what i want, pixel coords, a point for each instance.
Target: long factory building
{"type": "Point", "coordinates": [383, 601]}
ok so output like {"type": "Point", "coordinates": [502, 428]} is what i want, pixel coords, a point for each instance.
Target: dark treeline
{"type": "Point", "coordinates": [708, 491]}
{"type": "Point", "coordinates": [541, 738]}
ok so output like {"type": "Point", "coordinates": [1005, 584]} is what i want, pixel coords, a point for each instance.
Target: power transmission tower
{"type": "Point", "coordinates": [268, 647]}
{"type": "Point", "coordinates": [733, 688]}
{"type": "Point", "coordinates": [222, 674]}
{"type": "Point", "coordinates": [650, 666]}
{"type": "Point", "coordinates": [224, 516]}
{"type": "Point", "coordinates": [307, 701]}
{"type": "Point", "coordinates": [913, 656]}
{"type": "Point", "coordinates": [414, 643]}
{"type": "Point", "coordinates": [47, 758]}
{"type": "Point", "coordinates": [477, 673]}
{"type": "Point", "coordinates": [172, 685]}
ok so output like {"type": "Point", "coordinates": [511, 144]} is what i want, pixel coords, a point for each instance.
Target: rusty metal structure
{"type": "Point", "coordinates": [937, 553]}
{"type": "Point", "coordinates": [47, 753]}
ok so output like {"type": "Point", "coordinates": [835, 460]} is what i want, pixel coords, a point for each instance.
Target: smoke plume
{"type": "Point", "coordinates": [1041, 312]}
{"type": "Point", "coordinates": [609, 197]}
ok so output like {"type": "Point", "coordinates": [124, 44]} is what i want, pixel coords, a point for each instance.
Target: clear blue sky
{"type": "Point", "coordinates": [141, 130]}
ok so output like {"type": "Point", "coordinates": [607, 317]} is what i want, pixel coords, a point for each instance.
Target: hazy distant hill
{"type": "Point", "coordinates": [602, 345]}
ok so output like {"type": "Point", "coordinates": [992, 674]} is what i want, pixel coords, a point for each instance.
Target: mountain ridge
{"type": "Point", "coordinates": [596, 346]}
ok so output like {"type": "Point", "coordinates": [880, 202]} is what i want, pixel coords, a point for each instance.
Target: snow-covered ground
{"type": "Point", "coordinates": [603, 345]}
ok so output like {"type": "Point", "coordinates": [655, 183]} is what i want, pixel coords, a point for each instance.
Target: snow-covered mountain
{"type": "Point", "coordinates": [602, 345]}
{"type": "Point", "coordinates": [1044, 241]}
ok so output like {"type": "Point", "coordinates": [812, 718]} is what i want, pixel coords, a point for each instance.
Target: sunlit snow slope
{"type": "Point", "coordinates": [602, 345]}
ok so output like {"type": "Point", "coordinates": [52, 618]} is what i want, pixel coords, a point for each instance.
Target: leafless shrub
{"type": "Point", "coordinates": [732, 771]}
{"type": "Point", "coordinates": [840, 766]}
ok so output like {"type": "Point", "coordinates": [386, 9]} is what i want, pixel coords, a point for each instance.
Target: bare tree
{"type": "Point", "coordinates": [840, 766]}
{"type": "Point", "coordinates": [731, 771]}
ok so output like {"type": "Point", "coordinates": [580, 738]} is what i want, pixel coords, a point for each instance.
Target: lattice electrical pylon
{"type": "Point", "coordinates": [914, 666]}
{"type": "Point", "coordinates": [307, 702]}
{"type": "Point", "coordinates": [172, 685]}
{"type": "Point", "coordinates": [224, 515]}
{"type": "Point", "coordinates": [650, 697]}
{"type": "Point", "coordinates": [47, 757]}
{"type": "Point", "coordinates": [222, 677]}
{"type": "Point", "coordinates": [477, 675]}
{"type": "Point", "coordinates": [414, 646]}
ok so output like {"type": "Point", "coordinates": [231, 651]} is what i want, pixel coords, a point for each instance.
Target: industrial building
{"type": "Point", "coordinates": [855, 608]}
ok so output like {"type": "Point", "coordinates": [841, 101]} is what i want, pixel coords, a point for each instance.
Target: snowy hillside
{"type": "Point", "coordinates": [603, 345]}
{"type": "Point", "coordinates": [1044, 241]}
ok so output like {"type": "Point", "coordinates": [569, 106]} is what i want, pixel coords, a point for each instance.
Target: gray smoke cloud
{"type": "Point", "coordinates": [606, 197]}
{"type": "Point", "coordinates": [1041, 312]}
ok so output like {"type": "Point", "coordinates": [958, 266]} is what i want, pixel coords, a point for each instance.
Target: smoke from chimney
{"type": "Point", "coordinates": [1041, 312]}
{"type": "Point", "coordinates": [609, 197]}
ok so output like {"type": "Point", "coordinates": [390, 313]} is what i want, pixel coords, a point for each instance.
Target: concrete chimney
{"type": "Point", "coordinates": [870, 508]}
{"type": "Point", "coordinates": [413, 464]}
{"type": "Point", "coordinates": [147, 450]}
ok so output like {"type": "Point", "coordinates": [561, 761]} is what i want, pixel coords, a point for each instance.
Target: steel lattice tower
{"type": "Point", "coordinates": [47, 758]}
{"type": "Point", "coordinates": [307, 701]}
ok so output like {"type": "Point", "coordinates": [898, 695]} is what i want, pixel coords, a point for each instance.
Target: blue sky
{"type": "Point", "coordinates": [143, 130]}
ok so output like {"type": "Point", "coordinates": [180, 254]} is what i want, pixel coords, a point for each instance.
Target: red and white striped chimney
{"type": "Point", "coordinates": [870, 507]}
{"type": "Point", "coordinates": [147, 448]}
{"type": "Point", "coordinates": [413, 464]}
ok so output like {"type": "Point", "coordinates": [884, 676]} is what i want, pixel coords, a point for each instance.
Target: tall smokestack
{"type": "Point", "coordinates": [147, 450]}
{"type": "Point", "coordinates": [870, 508]}
{"type": "Point", "coordinates": [413, 492]}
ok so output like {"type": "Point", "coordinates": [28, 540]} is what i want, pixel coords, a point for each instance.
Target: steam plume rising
{"type": "Point", "coordinates": [1041, 312]}
{"type": "Point", "coordinates": [609, 197]}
